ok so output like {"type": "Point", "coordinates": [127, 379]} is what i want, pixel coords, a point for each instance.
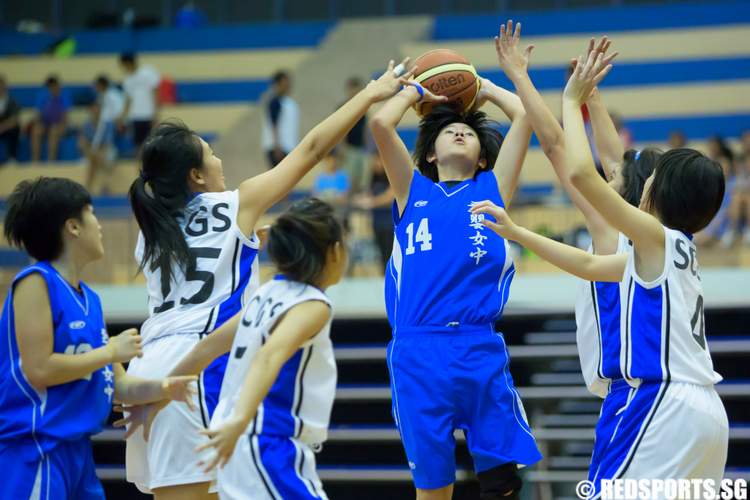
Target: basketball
{"type": "Point", "coordinates": [447, 73]}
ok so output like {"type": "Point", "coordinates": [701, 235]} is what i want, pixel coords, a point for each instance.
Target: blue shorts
{"type": "Point", "coordinates": [67, 472]}
{"type": "Point", "coordinates": [442, 381]}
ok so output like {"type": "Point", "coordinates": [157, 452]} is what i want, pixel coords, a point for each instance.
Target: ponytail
{"type": "Point", "coordinates": [160, 193]}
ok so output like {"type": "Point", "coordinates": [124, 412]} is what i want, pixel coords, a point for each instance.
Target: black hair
{"type": "Point", "coordinates": [52, 80]}
{"type": "Point", "coordinates": [687, 190]}
{"type": "Point", "coordinates": [278, 76]}
{"type": "Point", "coordinates": [724, 150]}
{"type": "Point", "coordinates": [636, 168]}
{"type": "Point", "coordinates": [36, 214]}
{"type": "Point", "coordinates": [440, 117]}
{"type": "Point", "coordinates": [299, 239]}
{"type": "Point", "coordinates": [161, 192]}
{"type": "Point", "coordinates": [127, 58]}
{"type": "Point", "coordinates": [102, 80]}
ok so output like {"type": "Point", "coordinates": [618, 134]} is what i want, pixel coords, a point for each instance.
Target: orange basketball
{"type": "Point", "coordinates": [448, 73]}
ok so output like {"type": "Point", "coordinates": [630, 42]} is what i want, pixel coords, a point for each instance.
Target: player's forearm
{"type": "Point", "coordinates": [570, 259]}
{"type": "Point", "coordinates": [323, 137]}
{"type": "Point", "coordinates": [507, 101]}
{"type": "Point", "coordinates": [390, 115]}
{"type": "Point", "coordinates": [133, 390]}
{"type": "Point", "coordinates": [63, 368]}
{"type": "Point", "coordinates": [545, 125]}
{"type": "Point", "coordinates": [607, 139]}
{"type": "Point", "coordinates": [208, 349]}
{"type": "Point", "coordinates": [577, 150]}
{"type": "Point", "coordinates": [264, 369]}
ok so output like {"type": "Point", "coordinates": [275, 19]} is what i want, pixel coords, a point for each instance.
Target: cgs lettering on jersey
{"type": "Point", "coordinates": [197, 223]}
{"type": "Point", "coordinates": [256, 309]}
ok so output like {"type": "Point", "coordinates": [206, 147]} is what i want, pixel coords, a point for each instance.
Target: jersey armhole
{"type": "Point", "coordinates": [665, 269]}
{"type": "Point", "coordinates": [283, 315]}
{"type": "Point", "coordinates": [397, 218]}
{"type": "Point", "coordinates": [251, 241]}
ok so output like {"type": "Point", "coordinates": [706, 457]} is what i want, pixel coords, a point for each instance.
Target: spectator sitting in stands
{"type": "Point", "coordinates": [717, 229]}
{"type": "Point", "coordinates": [677, 139]}
{"type": "Point", "coordinates": [333, 186]}
{"type": "Point", "coordinates": [97, 143]}
{"type": "Point", "coordinates": [739, 207]}
{"type": "Point", "coordinates": [141, 87]}
{"type": "Point", "coordinates": [52, 104]}
{"type": "Point", "coordinates": [10, 128]}
{"type": "Point", "coordinates": [280, 120]}
{"type": "Point", "coordinates": [380, 201]}
{"type": "Point", "coordinates": [189, 16]}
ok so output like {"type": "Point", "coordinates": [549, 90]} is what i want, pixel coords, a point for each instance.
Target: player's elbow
{"type": "Point", "coordinates": [37, 376]}
{"type": "Point", "coordinates": [379, 124]}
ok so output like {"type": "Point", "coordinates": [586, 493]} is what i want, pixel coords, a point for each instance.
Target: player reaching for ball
{"type": "Point", "coordinates": [446, 285]}
{"type": "Point", "coordinates": [670, 422]}
{"type": "Point", "coordinates": [198, 252]}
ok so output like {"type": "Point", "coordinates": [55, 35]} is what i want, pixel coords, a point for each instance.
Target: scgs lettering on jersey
{"type": "Point", "coordinates": [686, 257]}
{"type": "Point", "coordinates": [197, 224]}
{"type": "Point", "coordinates": [256, 310]}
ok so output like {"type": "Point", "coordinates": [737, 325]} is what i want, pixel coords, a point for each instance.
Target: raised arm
{"type": "Point", "coordinates": [570, 259]}
{"type": "Point", "coordinates": [607, 140]}
{"type": "Point", "coordinates": [208, 349]}
{"type": "Point", "coordinates": [397, 161]}
{"type": "Point", "coordinates": [259, 193]}
{"type": "Point", "coordinates": [516, 144]}
{"type": "Point", "coordinates": [297, 326]}
{"type": "Point", "coordinates": [644, 230]}
{"type": "Point", "coordinates": [548, 130]}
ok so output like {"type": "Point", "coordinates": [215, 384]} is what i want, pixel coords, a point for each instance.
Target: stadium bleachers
{"type": "Point", "coordinates": [218, 72]}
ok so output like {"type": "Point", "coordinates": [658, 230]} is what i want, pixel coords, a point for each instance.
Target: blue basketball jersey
{"type": "Point", "coordinates": [37, 420]}
{"type": "Point", "coordinates": [447, 269]}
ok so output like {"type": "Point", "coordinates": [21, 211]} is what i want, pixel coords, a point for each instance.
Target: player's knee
{"type": "Point", "coordinates": [500, 483]}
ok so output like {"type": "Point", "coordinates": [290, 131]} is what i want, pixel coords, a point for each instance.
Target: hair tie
{"type": "Point", "coordinates": [637, 155]}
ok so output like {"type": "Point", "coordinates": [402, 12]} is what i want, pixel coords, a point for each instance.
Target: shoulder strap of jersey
{"type": "Point", "coordinates": [419, 188]}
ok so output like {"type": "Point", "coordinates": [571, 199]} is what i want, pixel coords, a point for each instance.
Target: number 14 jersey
{"type": "Point", "coordinates": [447, 269]}
{"type": "Point", "coordinates": [220, 275]}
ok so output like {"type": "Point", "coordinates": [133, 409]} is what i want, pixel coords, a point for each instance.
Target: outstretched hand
{"type": "Point", "coordinates": [599, 48]}
{"type": "Point", "coordinates": [589, 70]}
{"type": "Point", "coordinates": [513, 61]}
{"type": "Point", "coordinates": [222, 442]}
{"type": "Point", "coordinates": [503, 224]}
{"type": "Point", "coordinates": [389, 82]}
{"type": "Point", "coordinates": [135, 417]}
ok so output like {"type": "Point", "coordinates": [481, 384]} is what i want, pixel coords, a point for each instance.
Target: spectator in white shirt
{"type": "Point", "coordinates": [141, 87]}
{"type": "Point", "coordinates": [281, 120]}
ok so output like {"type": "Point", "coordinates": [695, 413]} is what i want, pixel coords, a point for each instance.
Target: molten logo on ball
{"type": "Point", "coordinates": [446, 83]}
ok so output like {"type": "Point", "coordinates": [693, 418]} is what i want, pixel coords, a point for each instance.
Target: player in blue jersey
{"type": "Point", "coordinates": [61, 371]}
{"type": "Point", "coordinates": [447, 282]}
{"type": "Point", "coordinates": [198, 251]}
{"type": "Point", "coordinates": [669, 422]}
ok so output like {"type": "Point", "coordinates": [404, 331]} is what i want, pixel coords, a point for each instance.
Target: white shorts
{"type": "Point", "coordinates": [169, 457]}
{"type": "Point", "coordinates": [266, 467]}
{"type": "Point", "coordinates": [661, 431]}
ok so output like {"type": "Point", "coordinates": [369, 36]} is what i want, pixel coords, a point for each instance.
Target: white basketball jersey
{"type": "Point", "coordinates": [664, 332]}
{"type": "Point", "coordinates": [221, 274]}
{"type": "Point", "coordinates": [300, 401]}
{"type": "Point", "coordinates": [598, 330]}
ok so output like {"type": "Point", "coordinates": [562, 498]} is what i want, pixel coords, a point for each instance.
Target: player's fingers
{"type": "Point", "coordinates": [529, 50]}
{"type": "Point", "coordinates": [122, 422]}
{"type": "Point", "coordinates": [610, 58]}
{"type": "Point", "coordinates": [517, 32]}
{"type": "Point", "coordinates": [189, 401]}
{"type": "Point", "coordinates": [390, 65]}
{"type": "Point", "coordinates": [211, 464]}
{"type": "Point", "coordinates": [600, 76]}
{"type": "Point", "coordinates": [129, 432]}
{"type": "Point", "coordinates": [208, 444]}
